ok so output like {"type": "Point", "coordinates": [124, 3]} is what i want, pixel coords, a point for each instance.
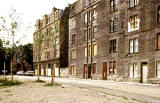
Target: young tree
{"type": "Point", "coordinates": [10, 25]}
{"type": "Point", "coordinates": [37, 42]}
{"type": "Point", "coordinates": [56, 39]}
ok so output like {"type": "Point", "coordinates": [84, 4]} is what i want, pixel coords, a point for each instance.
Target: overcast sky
{"type": "Point", "coordinates": [31, 11]}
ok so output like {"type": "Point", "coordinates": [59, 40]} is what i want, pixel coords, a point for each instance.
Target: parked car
{"type": "Point", "coordinates": [29, 73]}
{"type": "Point", "coordinates": [20, 73]}
{"type": "Point", "coordinates": [6, 72]}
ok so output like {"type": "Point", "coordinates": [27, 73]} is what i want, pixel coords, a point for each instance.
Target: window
{"type": "Point", "coordinates": [90, 33]}
{"type": "Point", "coordinates": [113, 5]}
{"type": "Point", "coordinates": [133, 3]}
{"type": "Point", "coordinates": [85, 51]}
{"type": "Point", "coordinates": [85, 18]}
{"type": "Point", "coordinates": [94, 14]}
{"type": "Point", "coordinates": [72, 23]}
{"type": "Point", "coordinates": [133, 23]}
{"type": "Point", "coordinates": [90, 16]}
{"type": "Point", "coordinates": [158, 14]}
{"type": "Point", "coordinates": [94, 49]}
{"type": "Point", "coordinates": [112, 67]}
{"type": "Point", "coordinates": [113, 25]}
{"type": "Point", "coordinates": [73, 39]}
{"type": "Point", "coordinates": [73, 54]}
{"type": "Point", "coordinates": [90, 50]}
{"type": "Point", "coordinates": [86, 2]}
{"type": "Point", "coordinates": [133, 45]}
{"type": "Point", "coordinates": [94, 68]}
{"type": "Point", "coordinates": [158, 41]}
{"type": "Point", "coordinates": [49, 65]}
{"type": "Point", "coordinates": [47, 54]}
{"type": "Point", "coordinates": [158, 69]}
{"type": "Point", "coordinates": [73, 9]}
{"type": "Point", "coordinates": [94, 31]}
{"type": "Point", "coordinates": [85, 35]}
{"type": "Point", "coordinates": [133, 70]}
{"type": "Point", "coordinates": [73, 70]}
{"type": "Point", "coordinates": [113, 46]}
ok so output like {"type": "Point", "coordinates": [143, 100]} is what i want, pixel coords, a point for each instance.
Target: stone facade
{"type": "Point", "coordinates": [125, 37]}
{"type": "Point", "coordinates": [53, 23]}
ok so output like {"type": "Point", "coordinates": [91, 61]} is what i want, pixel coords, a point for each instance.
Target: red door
{"type": "Point", "coordinates": [104, 71]}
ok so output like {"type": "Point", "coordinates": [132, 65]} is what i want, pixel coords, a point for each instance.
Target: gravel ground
{"type": "Point", "coordinates": [31, 92]}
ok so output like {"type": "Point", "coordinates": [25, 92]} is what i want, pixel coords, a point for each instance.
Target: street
{"type": "Point", "coordinates": [147, 93]}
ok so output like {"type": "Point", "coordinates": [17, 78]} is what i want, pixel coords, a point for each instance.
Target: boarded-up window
{"type": "Point", "coordinates": [94, 50]}
{"type": "Point", "coordinates": [158, 69]}
{"type": "Point", "coordinates": [158, 41]}
{"type": "Point", "coordinates": [94, 68]}
{"type": "Point", "coordinates": [85, 51]}
{"type": "Point", "coordinates": [73, 54]}
{"type": "Point", "coordinates": [73, 70]}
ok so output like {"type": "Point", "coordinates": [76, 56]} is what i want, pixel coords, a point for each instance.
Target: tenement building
{"type": "Point", "coordinates": [115, 39]}
{"type": "Point", "coordinates": [50, 47]}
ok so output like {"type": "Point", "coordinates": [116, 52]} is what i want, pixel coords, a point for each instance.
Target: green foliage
{"type": "Point", "coordinates": [54, 84]}
{"type": "Point", "coordinates": [28, 53]}
{"type": "Point", "coordinates": [40, 81]}
{"type": "Point", "coordinates": [9, 82]}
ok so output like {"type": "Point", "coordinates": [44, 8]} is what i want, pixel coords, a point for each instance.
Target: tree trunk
{"type": "Point", "coordinates": [12, 69]}
{"type": "Point", "coordinates": [4, 70]}
{"type": "Point", "coordinates": [38, 70]}
{"type": "Point", "coordinates": [52, 81]}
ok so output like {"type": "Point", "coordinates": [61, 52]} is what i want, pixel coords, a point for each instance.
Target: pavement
{"type": "Point", "coordinates": [147, 93]}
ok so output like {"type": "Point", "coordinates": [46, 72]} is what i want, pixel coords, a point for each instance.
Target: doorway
{"type": "Point", "coordinates": [144, 72]}
{"type": "Point", "coordinates": [104, 75]}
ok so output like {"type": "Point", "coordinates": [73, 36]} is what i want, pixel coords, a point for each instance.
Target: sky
{"type": "Point", "coordinates": [30, 11]}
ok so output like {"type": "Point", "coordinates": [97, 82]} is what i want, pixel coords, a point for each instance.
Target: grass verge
{"type": "Point", "coordinates": [4, 83]}
{"type": "Point", "coordinates": [40, 81]}
{"type": "Point", "coordinates": [55, 84]}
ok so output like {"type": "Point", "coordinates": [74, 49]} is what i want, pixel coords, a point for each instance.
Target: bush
{"type": "Point", "coordinates": [40, 81]}
{"type": "Point", "coordinates": [54, 84]}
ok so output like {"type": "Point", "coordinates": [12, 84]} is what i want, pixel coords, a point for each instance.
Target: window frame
{"type": "Point", "coordinates": [113, 6]}
{"type": "Point", "coordinates": [134, 46]}
{"type": "Point", "coordinates": [73, 39]}
{"type": "Point", "coordinates": [133, 23]}
{"type": "Point", "coordinates": [158, 14]}
{"type": "Point", "coordinates": [158, 41]}
{"type": "Point", "coordinates": [113, 46]}
{"type": "Point", "coordinates": [113, 25]}
{"type": "Point", "coordinates": [134, 69]}
{"type": "Point", "coordinates": [135, 3]}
